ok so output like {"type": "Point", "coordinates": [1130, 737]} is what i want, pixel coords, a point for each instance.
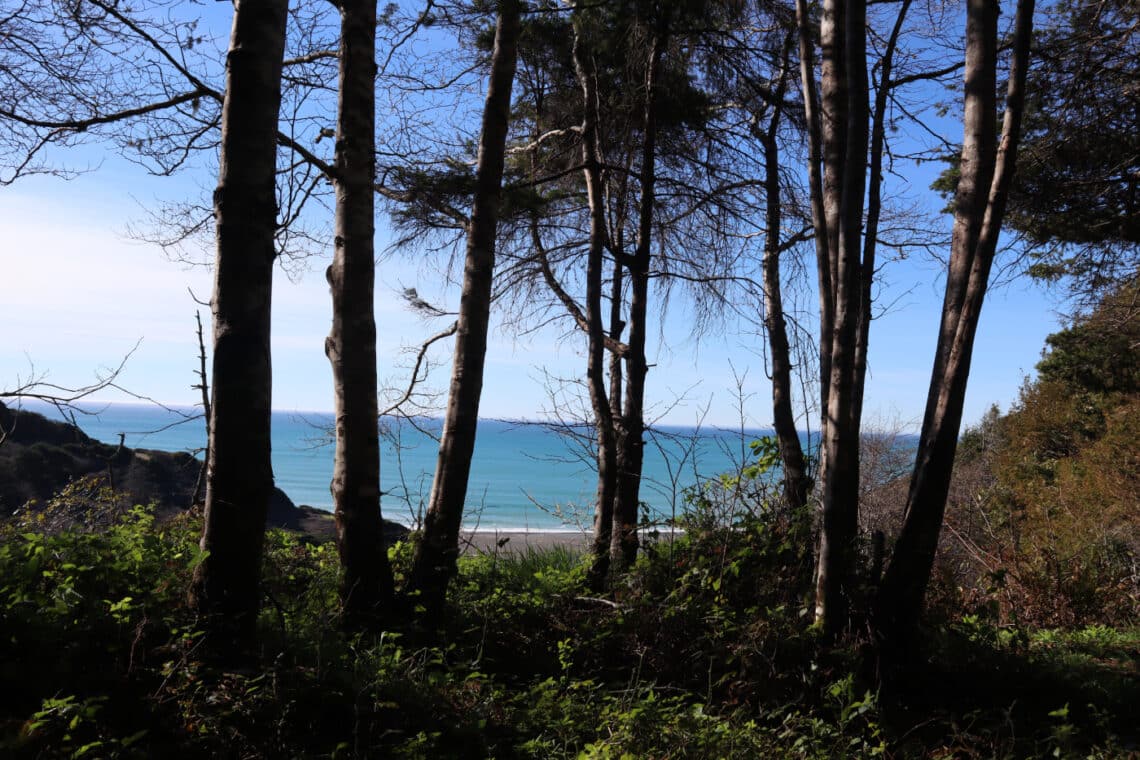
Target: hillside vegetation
{"type": "Point", "coordinates": [1048, 515]}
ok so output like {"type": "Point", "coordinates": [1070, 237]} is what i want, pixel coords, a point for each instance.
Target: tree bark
{"type": "Point", "coordinates": [435, 560]}
{"type": "Point", "coordinates": [796, 480]}
{"type": "Point", "coordinates": [631, 449]}
{"type": "Point", "coordinates": [595, 365]}
{"type": "Point", "coordinates": [351, 346]}
{"type": "Point", "coordinates": [844, 140]}
{"type": "Point", "coordinates": [616, 387]}
{"type": "Point", "coordinates": [986, 173]}
{"type": "Point", "coordinates": [832, 118]}
{"type": "Point", "coordinates": [818, 213]}
{"type": "Point", "coordinates": [225, 587]}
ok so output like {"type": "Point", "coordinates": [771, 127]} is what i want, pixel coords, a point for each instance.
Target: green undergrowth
{"type": "Point", "coordinates": [703, 651]}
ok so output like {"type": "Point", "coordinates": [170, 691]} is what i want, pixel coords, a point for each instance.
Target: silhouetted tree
{"type": "Point", "coordinates": [351, 346]}
{"type": "Point", "coordinates": [239, 483]}
{"type": "Point", "coordinates": [438, 550]}
{"type": "Point", "coordinates": [987, 165]}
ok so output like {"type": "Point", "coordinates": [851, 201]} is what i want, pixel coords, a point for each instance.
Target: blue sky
{"type": "Point", "coordinates": [80, 293]}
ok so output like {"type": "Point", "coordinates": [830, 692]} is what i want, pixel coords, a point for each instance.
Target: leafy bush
{"type": "Point", "coordinates": [1044, 531]}
{"type": "Point", "coordinates": [1059, 525]}
{"type": "Point", "coordinates": [703, 651]}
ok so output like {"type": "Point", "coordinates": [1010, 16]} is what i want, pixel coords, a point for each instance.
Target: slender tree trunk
{"type": "Point", "coordinates": [844, 132]}
{"type": "Point", "coordinates": [819, 219]}
{"type": "Point", "coordinates": [438, 550]}
{"type": "Point", "coordinates": [595, 366]}
{"type": "Point", "coordinates": [202, 387]}
{"type": "Point", "coordinates": [874, 207]}
{"type": "Point", "coordinates": [617, 328]}
{"type": "Point", "coordinates": [351, 345]}
{"type": "Point", "coordinates": [832, 120]}
{"type": "Point", "coordinates": [813, 121]}
{"type": "Point", "coordinates": [796, 481]}
{"type": "Point", "coordinates": [986, 173]}
{"type": "Point", "coordinates": [603, 541]}
{"type": "Point", "coordinates": [631, 452]}
{"type": "Point", "coordinates": [239, 483]}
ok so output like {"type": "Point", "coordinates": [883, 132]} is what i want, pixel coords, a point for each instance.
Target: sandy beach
{"type": "Point", "coordinates": [319, 525]}
{"type": "Point", "coordinates": [516, 541]}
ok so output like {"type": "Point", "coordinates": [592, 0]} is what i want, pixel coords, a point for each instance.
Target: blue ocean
{"type": "Point", "coordinates": [525, 475]}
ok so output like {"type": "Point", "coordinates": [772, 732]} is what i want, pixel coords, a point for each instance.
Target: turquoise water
{"type": "Point", "coordinates": [523, 476]}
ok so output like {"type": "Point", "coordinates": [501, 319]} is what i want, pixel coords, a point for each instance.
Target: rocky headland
{"type": "Point", "coordinates": [54, 468]}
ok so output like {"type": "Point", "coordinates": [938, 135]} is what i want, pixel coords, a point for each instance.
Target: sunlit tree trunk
{"type": "Point", "coordinates": [225, 587]}
{"type": "Point", "coordinates": [843, 126]}
{"type": "Point", "coordinates": [986, 172]}
{"type": "Point", "coordinates": [351, 345]}
{"type": "Point", "coordinates": [436, 556]}
{"type": "Point", "coordinates": [814, 135]}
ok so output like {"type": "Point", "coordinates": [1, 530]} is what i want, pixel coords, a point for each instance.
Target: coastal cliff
{"type": "Point", "coordinates": [44, 460]}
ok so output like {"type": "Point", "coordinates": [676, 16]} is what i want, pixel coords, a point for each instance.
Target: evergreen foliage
{"type": "Point", "coordinates": [1076, 195]}
{"type": "Point", "coordinates": [1100, 352]}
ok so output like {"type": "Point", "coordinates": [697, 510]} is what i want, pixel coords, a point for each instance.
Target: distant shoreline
{"type": "Point", "coordinates": [525, 477]}
{"type": "Point", "coordinates": [93, 405]}
{"type": "Point", "coordinates": [513, 541]}
{"type": "Point", "coordinates": [510, 541]}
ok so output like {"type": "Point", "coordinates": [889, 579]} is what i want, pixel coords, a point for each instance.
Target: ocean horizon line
{"type": "Point", "coordinates": [525, 475]}
{"type": "Point", "coordinates": [181, 408]}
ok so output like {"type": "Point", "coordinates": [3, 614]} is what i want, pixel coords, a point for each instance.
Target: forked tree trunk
{"type": "Point", "coordinates": [986, 173]}
{"type": "Point", "coordinates": [631, 447]}
{"type": "Point", "coordinates": [435, 560]}
{"type": "Point", "coordinates": [874, 207]}
{"type": "Point", "coordinates": [796, 480]}
{"type": "Point", "coordinates": [225, 587]}
{"type": "Point", "coordinates": [351, 346]}
{"type": "Point", "coordinates": [603, 535]}
{"type": "Point", "coordinates": [595, 365]}
{"type": "Point", "coordinates": [813, 121]}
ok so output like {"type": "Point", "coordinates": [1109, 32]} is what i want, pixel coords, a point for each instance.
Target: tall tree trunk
{"type": "Point", "coordinates": [986, 173]}
{"type": "Point", "coordinates": [813, 120]}
{"type": "Point", "coordinates": [595, 366]}
{"type": "Point", "coordinates": [225, 587]}
{"type": "Point", "coordinates": [832, 118]}
{"type": "Point", "coordinates": [351, 345]}
{"type": "Point", "coordinates": [819, 219]}
{"type": "Point", "coordinates": [796, 481]}
{"type": "Point", "coordinates": [631, 450]}
{"type": "Point", "coordinates": [844, 138]}
{"type": "Point", "coordinates": [436, 556]}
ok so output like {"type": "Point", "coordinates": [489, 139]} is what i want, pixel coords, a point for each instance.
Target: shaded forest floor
{"type": "Point", "coordinates": [702, 651]}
